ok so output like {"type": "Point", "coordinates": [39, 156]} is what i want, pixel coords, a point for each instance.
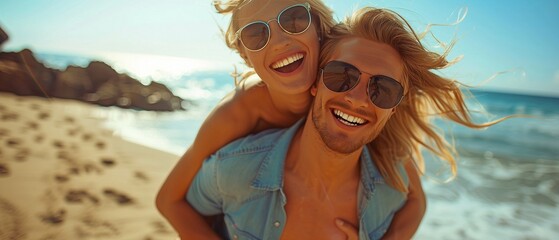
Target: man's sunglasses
{"type": "Point", "coordinates": [295, 19]}
{"type": "Point", "coordinates": [384, 92]}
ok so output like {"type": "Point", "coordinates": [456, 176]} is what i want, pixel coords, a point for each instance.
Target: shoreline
{"type": "Point", "coordinates": [64, 176]}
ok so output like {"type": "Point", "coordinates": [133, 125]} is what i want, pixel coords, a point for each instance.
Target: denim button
{"type": "Point", "coordinates": [276, 224]}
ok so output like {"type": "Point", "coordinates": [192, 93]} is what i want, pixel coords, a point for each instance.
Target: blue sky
{"type": "Point", "coordinates": [514, 40]}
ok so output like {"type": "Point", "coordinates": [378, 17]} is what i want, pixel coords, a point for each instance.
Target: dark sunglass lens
{"type": "Point", "coordinates": [255, 36]}
{"type": "Point", "coordinates": [295, 19]}
{"type": "Point", "coordinates": [385, 92]}
{"type": "Point", "coordinates": [340, 76]}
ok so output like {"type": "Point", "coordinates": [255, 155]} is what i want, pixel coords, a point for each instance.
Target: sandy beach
{"type": "Point", "coordinates": [63, 176]}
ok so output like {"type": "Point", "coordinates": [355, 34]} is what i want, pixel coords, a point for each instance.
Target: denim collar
{"type": "Point", "coordinates": [370, 175]}
{"type": "Point", "coordinates": [270, 173]}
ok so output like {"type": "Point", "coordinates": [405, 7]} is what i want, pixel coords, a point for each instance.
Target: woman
{"type": "Point", "coordinates": [281, 41]}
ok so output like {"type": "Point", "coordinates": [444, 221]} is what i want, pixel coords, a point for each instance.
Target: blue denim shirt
{"type": "Point", "coordinates": [244, 181]}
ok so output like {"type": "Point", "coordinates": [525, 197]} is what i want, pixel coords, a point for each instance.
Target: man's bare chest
{"type": "Point", "coordinates": [311, 213]}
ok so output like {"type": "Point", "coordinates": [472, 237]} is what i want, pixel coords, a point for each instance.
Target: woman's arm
{"type": "Point", "coordinates": [235, 116]}
{"type": "Point", "coordinates": [407, 219]}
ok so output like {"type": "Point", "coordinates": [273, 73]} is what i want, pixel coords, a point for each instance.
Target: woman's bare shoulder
{"type": "Point", "coordinates": [253, 91]}
{"type": "Point", "coordinates": [256, 96]}
{"type": "Point", "coordinates": [253, 84]}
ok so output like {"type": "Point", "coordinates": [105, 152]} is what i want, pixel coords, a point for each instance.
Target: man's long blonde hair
{"type": "Point", "coordinates": [321, 16]}
{"type": "Point", "coordinates": [427, 94]}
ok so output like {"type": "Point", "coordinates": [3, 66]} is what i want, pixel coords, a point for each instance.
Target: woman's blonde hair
{"type": "Point", "coordinates": [321, 16]}
{"type": "Point", "coordinates": [427, 94]}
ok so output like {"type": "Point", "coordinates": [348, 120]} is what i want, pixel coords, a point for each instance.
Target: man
{"type": "Point", "coordinates": [313, 180]}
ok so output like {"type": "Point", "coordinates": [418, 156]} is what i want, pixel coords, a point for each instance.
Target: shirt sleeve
{"type": "Point", "coordinates": [204, 194]}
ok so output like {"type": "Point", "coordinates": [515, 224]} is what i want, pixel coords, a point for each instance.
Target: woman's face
{"type": "Point", "coordinates": [288, 63]}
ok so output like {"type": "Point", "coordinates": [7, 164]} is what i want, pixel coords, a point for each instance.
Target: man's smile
{"type": "Point", "coordinates": [348, 119]}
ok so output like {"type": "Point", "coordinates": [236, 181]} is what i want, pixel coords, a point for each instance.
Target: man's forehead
{"type": "Point", "coordinates": [364, 53]}
{"type": "Point", "coordinates": [362, 47]}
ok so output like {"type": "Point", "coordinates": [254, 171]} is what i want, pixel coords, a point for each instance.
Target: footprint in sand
{"type": "Point", "coordinates": [35, 106]}
{"type": "Point", "coordinates": [120, 198]}
{"type": "Point", "coordinates": [100, 145]}
{"type": "Point", "coordinates": [80, 196]}
{"type": "Point", "coordinates": [53, 218]}
{"type": "Point", "coordinates": [90, 168]}
{"type": "Point", "coordinates": [141, 176]}
{"type": "Point", "coordinates": [90, 227]}
{"type": "Point", "coordinates": [39, 138]}
{"type": "Point", "coordinates": [4, 170]}
{"type": "Point", "coordinates": [4, 132]}
{"type": "Point", "coordinates": [87, 136]}
{"type": "Point", "coordinates": [32, 125]}
{"type": "Point", "coordinates": [75, 168]}
{"type": "Point", "coordinates": [69, 159]}
{"type": "Point", "coordinates": [21, 154]}
{"type": "Point", "coordinates": [73, 131]}
{"type": "Point", "coordinates": [107, 162]}
{"type": "Point", "coordinates": [69, 119]}
{"type": "Point", "coordinates": [87, 168]}
{"type": "Point", "coordinates": [161, 227]}
{"type": "Point", "coordinates": [10, 116]}
{"type": "Point", "coordinates": [58, 144]}
{"type": "Point", "coordinates": [43, 115]}
{"type": "Point", "coordinates": [61, 178]}
{"type": "Point", "coordinates": [13, 142]}
{"type": "Point", "coordinates": [11, 221]}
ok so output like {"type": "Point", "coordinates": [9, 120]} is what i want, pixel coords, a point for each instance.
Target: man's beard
{"type": "Point", "coordinates": [335, 143]}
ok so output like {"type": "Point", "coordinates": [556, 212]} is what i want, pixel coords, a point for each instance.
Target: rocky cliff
{"type": "Point", "coordinates": [98, 83]}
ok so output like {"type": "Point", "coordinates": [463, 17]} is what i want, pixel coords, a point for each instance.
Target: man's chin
{"type": "Point", "coordinates": [342, 147]}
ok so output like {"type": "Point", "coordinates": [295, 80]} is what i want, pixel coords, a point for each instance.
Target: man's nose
{"type": "Point", "coordinates": [358, 96]}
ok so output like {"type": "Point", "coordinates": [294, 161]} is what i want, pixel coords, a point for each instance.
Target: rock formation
{"type": "Point", "coordinates": [98, 83]}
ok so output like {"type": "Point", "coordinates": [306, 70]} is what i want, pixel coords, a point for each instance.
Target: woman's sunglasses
{"type": "Point", "coordinates": [294, 20]}
{"type": "Point", "coordinates": [384, 92]}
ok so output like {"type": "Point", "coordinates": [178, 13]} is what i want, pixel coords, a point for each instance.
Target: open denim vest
{"type": "Point", "coordinates": [244, 180]}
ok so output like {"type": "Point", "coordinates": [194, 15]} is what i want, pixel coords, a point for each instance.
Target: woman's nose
{"type": "Point", "coordinates": [278, 37]}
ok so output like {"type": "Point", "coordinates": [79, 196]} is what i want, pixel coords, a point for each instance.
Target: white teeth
{"type": "Point", "coordinates": [287, 61]}
{"type": "Point", "coordinates": [348, 119]}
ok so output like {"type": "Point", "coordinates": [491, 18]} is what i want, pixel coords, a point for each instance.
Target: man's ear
{"type": "Point", "coordinates": [314, 89]}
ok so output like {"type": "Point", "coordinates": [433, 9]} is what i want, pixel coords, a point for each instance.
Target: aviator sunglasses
{"type": "Point", "coordinates": [384, 92]}
{"type": "Point", "coordinates": [293, 20]}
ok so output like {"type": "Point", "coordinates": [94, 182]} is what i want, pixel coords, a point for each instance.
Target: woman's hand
{"type": "Point", "coordinates": [351, 231]}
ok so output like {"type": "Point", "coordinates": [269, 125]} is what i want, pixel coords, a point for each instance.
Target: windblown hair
{"type": "Point", "coordinates": [321, 16]}
{"type": "Point", "coordinates": [427, 94]}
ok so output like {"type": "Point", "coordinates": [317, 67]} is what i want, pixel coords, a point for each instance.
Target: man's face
{"type": "Point", "coordinates": [346, 121]}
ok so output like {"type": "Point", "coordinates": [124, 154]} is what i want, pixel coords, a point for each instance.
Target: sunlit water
{"type": "Point", "coordinates": [508, 181]}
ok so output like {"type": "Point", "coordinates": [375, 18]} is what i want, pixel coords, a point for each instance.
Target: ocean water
{"type": "Point", "coordinates": [508, 175]}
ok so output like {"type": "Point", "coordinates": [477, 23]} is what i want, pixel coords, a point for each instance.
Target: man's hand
{"type": "Point", "coordinates": [350, 230]}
